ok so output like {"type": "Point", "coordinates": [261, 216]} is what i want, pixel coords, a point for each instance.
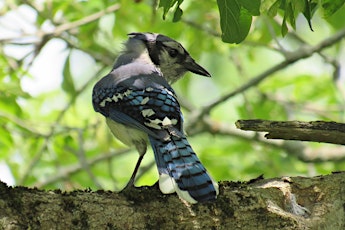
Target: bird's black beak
{"type": "Point", "coordinates": [194, 67]}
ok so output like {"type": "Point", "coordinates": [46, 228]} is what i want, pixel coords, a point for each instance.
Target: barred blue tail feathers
{"type": "Point", "coordinates": [181, 171]}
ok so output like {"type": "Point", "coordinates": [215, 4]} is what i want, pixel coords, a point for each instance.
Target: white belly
{"type": "Point", "coordinates": [126, 135]}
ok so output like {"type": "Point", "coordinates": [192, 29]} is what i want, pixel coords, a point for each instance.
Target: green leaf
{"type": "Point", "coordinates": [273, 9]}
{"type": "Point", "coordinates": [253, 6]}
{"type": "Point", "coordinates": [331, 6]}
{"type": "Point", "coordinates": [235, 21]}
{"type": "Point", "coordinates": [298, 5]}
{"type": "Point", "coordinates": [167, 4]}
{"type": "Point", "coordinates": [290, 13]}
{"type": "Point", "coordinates": [289, 16]}
{"type": "Point", "coordinates": [337, 20]}
{"type": "Point", "coordinates": [309, 11]}
{"type": "Point", "coordinates": [178, 12]}
{"type": "Point", "coordinates": [68, 83]}
{"type": "Point", "coordinates": [284, 29]}
{"type": "Point", "coordinates": [290, 9]}
{"type": "Point", "coordinates": [177, 15]}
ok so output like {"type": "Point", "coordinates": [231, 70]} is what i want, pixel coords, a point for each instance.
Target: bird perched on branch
{"type": "Point", "coordinates": [140, 107]}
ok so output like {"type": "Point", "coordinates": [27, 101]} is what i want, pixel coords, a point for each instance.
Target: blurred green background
{"type": "Point", "coordinates": [53, 52]}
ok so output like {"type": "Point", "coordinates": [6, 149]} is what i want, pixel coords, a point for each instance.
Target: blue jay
{"type": "Point", "coordinates": [140, 107]}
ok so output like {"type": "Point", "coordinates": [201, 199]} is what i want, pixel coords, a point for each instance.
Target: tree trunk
{"type": "Point", "coordinates": [279, 203]}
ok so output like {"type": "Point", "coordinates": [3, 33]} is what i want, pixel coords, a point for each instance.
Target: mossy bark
{"type": "Point", "coordinates": [279, 203]}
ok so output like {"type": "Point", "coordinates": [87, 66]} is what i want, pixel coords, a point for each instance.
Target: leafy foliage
{"type": "Point", "coordinates": [167, 4]}
{"type": "Point", "coordinates": [236, 15]}
{"type": "Point", "coordinates": [55, 51]}
{"type": "Point", "coordinates": [236, 18]}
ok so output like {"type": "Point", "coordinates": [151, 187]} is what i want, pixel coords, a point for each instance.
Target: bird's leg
{"type": "Point", "coordinates": [141, 147]}
{"type": "Point", "coordinates": [132, 179]}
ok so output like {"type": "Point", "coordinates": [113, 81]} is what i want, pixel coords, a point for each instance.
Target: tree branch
{"type": "Point", "coordinates": [279, 203]}
{"type": "Point", "coordinates": [317, 131]}
{"type": "Point", "coordinates": [303, 151]}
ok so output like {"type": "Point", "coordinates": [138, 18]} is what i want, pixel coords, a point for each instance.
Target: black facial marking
{"type": "Point", "coordinates": [153, 49]}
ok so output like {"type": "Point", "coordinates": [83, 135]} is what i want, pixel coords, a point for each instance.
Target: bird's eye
{"type": "Point", "coordinates": [173, 53]}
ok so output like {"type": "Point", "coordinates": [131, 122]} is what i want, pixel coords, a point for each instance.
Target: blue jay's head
{"type": "Point", "coordinates": [166, 54]}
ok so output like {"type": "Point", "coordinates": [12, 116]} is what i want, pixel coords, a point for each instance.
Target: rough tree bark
{"type": "Point", "coordinates": [317, 131]}
{"type": "Point", "coordinates": [279, 203]}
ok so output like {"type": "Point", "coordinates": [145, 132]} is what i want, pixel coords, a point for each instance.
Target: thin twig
{"type": "Point", "coordinates": [65, 27]}
{"type": "Point", "coordinates": [68, 171]}
{"type": "Point", "coordinates": [90, 18]}
{"type": "Point", "coordinates": [290, 59]}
